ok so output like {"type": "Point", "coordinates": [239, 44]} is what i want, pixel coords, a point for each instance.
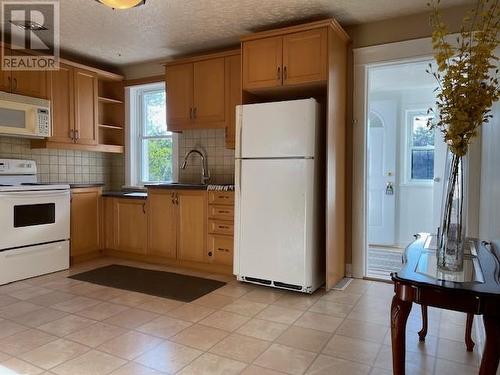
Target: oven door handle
{"type": "Point", "coordinates": [34, 194]}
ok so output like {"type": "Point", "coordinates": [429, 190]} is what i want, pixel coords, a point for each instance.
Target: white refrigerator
{"type": "Point", "coordinates": [278, 189]}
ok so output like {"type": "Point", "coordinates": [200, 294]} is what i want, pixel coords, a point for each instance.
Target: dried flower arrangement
{"type": "Point", "coordinates": [466, 73]}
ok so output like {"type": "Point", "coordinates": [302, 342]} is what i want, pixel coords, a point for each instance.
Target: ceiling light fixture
{"type": "Point", "coordinates": [122, 4]}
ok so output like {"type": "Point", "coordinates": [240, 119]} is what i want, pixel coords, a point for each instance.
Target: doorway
{"type": "Point", "coordinates": [404, 160]}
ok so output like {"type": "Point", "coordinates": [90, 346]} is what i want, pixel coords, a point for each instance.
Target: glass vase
{"type": "Point", "coordinates": [451, 239]}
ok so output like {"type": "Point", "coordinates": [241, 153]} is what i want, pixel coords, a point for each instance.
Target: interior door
{"type": "Point", "coordinates": [86, 86]}
{"type": "Point", "coordinates": [209, 94]}
{"type": "Point", "coordinates": [305, 57]}
{"type": "Point", "coordinates": [62, 101]}
{"type": "Point", "coordinates": [440, 154]}
{"type": "Point", "coordinates": [262, 63]}
{"type": "Point", "coordinates": [382, 189]}
{"type": "Point", "coordinates": [162, 220]}
{"type": "Point", "coordinates": [272, 219]}
{"type": "Point", "coordinates": [179, 86]}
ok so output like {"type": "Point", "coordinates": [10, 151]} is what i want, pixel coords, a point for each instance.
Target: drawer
{"type": "Point", "coordinates": [219, 227]}
{"type": "Point", "coordinates": [221, 212]}
{"type": "Point", "coordinates": [221, 197]}
{"type": "Point", "coordinates": [220, 249]}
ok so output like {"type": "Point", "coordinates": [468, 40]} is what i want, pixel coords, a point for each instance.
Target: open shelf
{"type": "Point", "coordinates": [107, 100]}
{"type": "Point", "coordinates": [110, 127]}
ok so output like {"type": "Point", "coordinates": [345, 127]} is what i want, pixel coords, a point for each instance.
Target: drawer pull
{"type": "Point", "coordinates": [223, 249]}
{"type": "Point", "coordinates": [223, 227]}
{"type": "Point", "coordinates": [224, 212]}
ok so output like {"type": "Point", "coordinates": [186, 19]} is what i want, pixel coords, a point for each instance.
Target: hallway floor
{"type": "Point", "coordinates": [56, 325]}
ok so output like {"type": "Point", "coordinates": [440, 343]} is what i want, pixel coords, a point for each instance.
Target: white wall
{"type": "Point", "coordinates": [489, 216]}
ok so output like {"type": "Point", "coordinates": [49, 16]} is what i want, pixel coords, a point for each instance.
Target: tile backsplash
{"type": "Point", "coordinates": [67, 166]}
{"type": "Point", "coordinates": [212, 143]}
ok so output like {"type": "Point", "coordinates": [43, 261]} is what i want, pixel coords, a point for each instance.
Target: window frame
{"type": "Point", "coordinates": [410, 114]}
{"type": "Point", "coordinates": [135, 115]}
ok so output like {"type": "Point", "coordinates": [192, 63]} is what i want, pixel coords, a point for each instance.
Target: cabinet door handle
{"type": "Point", "coordinates": [190, 113]}
{"type": "Point", "coordinates": [72, 134]}
{"type": "Point", "coordinates": [176, 198]}
{"type": "Point", "coordinates": [172, 197]}
{"type": "Point", "coordinates": [144, 208]}
{"type": "Point", "coordinates": [15, 83]}
{"type": "Point", "coordinates": [278, 75]}
{"type": "Point", "coordinates": [77, 135]}
{"type": "Point", "coordinates": [285, 74]}
{"type": "Point", "coordinates": [194, 112]}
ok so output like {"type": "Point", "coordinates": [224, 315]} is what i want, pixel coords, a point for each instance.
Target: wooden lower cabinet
{"type": "Point", "coordinates": [85, 221]}
{"type": "Point", "coordinates": [162, 223]}
{"type": "Point", "coordinates": [220, 241]}
{"type": "Point", "coordinates": [220, 249]}
{"type": "Point", "coordinates": [130, 225]}
{"type": "Point", "coordinates": [191, 232]}
{"type": "Point", "coordinates": [171, 227]}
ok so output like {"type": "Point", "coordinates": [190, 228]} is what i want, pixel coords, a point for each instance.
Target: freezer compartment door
{"type": "Point", "coordinates": [275, 130]}
{"type": "Point", "coordinates": [274, 213]}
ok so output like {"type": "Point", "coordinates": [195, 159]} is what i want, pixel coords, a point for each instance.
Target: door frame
{"type": "Point", "coordinates": [386, 54]}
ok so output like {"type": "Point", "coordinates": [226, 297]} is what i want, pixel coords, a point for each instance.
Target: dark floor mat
{"type": "Point", "coordinates": [156, 283]}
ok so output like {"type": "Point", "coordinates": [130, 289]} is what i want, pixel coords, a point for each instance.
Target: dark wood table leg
{"type": "Point", "coordinates": [399, 316]}
{"type": "Point", "coordinates": [468, 333]}
{"type": "Point", "coordinates": [491, 355]}
{"type": "Point", "coordinates": [423, 332]}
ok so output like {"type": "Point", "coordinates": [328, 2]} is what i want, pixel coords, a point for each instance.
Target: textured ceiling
{"type": "Point", "coordinates": [164, 28]}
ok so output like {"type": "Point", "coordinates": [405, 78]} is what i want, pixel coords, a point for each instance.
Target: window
{"type": "Point", "coordinates": [152, 152]}
{"type": "Point", "coordinates": [420, 156]}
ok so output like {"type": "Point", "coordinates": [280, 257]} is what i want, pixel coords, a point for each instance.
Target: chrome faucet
{"type": "Point", "coordinates": [205, 174]}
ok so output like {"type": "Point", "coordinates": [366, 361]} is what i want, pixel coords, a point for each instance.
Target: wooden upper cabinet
{"type": "Point", "coordinates": [62, 102]}
{"type": "Point", "coordinates": [305, 57]}
{"type": "Point", "coordinates": [130, 225]}
{"type": "Point", "coordinates": [162, 223]}
{"type": "Point", "coordinates": [191, 230]}
{"type": "Point", "coordinates": [209, 100]}
{"type": "Point", "coordinates": [6, 77]}
{"type": "Point", "coordinates": [85, 88]}
{"type": "Point", "coordinates": [35, 83]}
{"type": "Point", "coordinates": [233, 64]}
{"type": "Point", "coordinates": [85, 221]}
{"type": "Point", "coordinates": [179, 87]}
{"type": "Point", "coordinates": [262, 63]}
{"type": "Point", "coordinates": [31, 83]}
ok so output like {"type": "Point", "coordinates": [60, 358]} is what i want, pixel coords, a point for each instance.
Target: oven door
{"type": "Point", "coordinates": [33, 217]}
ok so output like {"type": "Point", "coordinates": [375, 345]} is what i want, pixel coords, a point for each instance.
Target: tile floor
{"type": "Point", "coordinates": [56, 325]}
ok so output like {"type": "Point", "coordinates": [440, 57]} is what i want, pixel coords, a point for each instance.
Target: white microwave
{"type": "Point", "coordinates": [24, 116]}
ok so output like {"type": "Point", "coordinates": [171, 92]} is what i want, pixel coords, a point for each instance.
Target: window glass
{"type": "Point", "coordinates": [421, 147]}
{"type": "Point", "coordinates": [155, 141]}
{"type": "Point", "coordinates": [155, 113]}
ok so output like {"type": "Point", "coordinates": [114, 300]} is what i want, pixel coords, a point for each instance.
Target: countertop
{"type": "Point", "coordinates": [131, 194]}
{"type": "Point", "coordinates": [85, 185]}
{"type": "Point", "coordinates": [177, 186]}
{"type": "Point", "coordinates": [126, 194]}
